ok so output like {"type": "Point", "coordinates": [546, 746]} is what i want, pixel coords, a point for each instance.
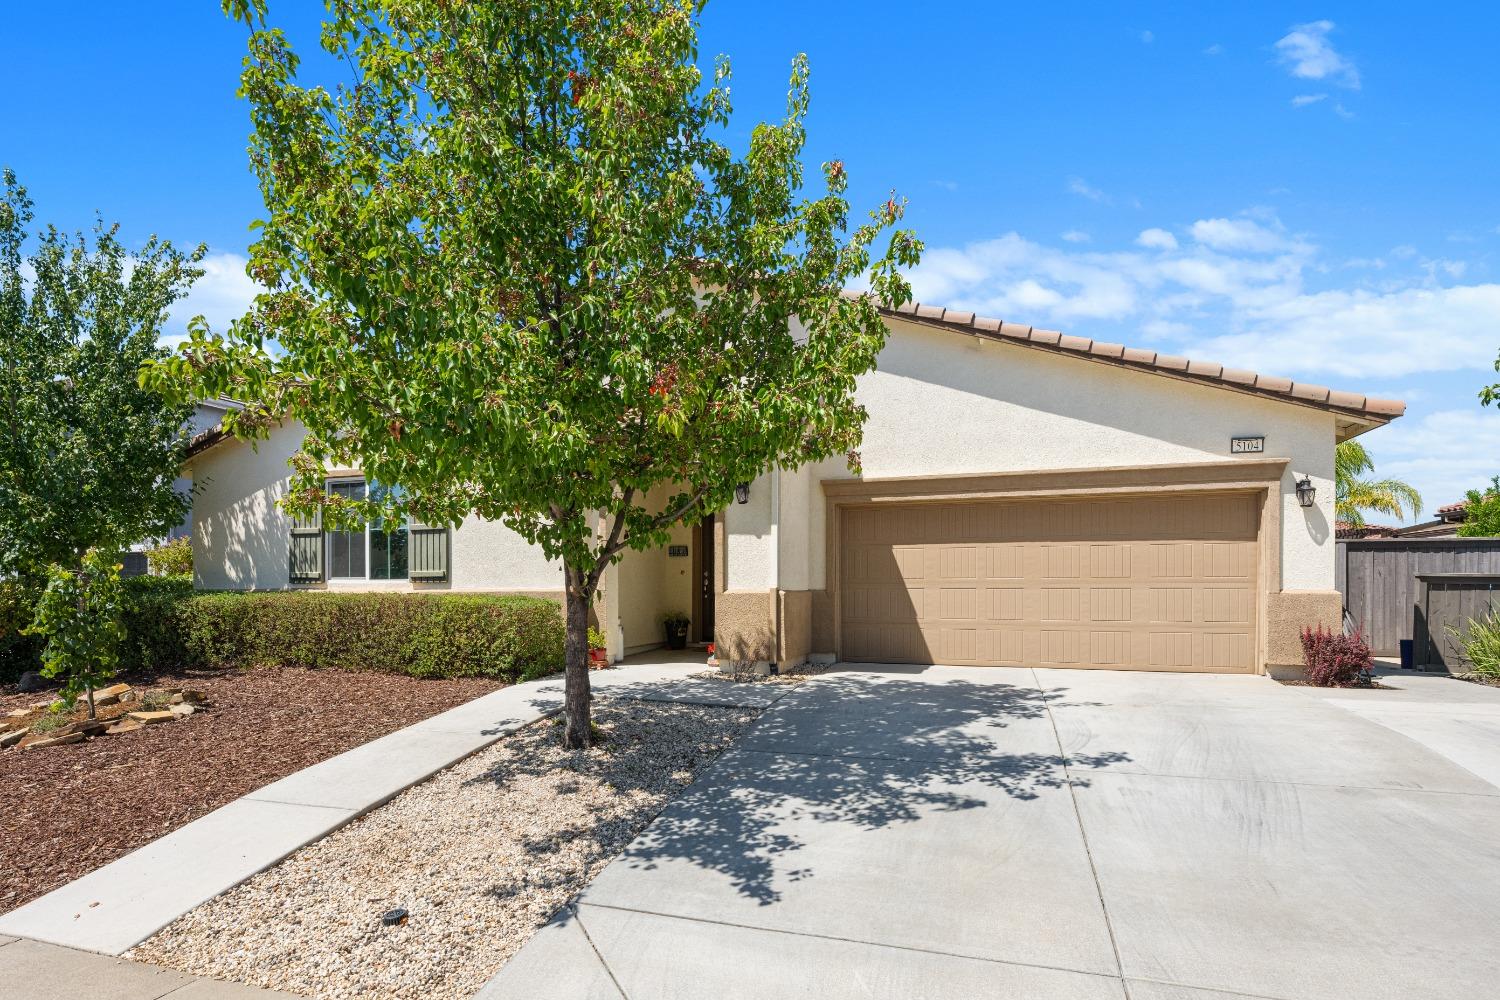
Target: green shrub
{"type": "Point", "coordinates": [152, 619]}
{"type": "Point", "coordinates": [168, 625]}
{"type": "Point", "coordinates": [18, 652]}
{"type": "Point", "coordinates": [422, 635]}
{"type": "Point", "coordinates": [174, 558]}
{"type": "Point", "coordinates": [1480, 641]}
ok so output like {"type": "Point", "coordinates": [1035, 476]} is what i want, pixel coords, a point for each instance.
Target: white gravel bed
{"type": "Point", "coordinates": [480, 856]}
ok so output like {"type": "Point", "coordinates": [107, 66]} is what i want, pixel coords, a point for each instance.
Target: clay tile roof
{"type": "Point", "coordinates": [1453, 508]}
{"type": "Point", "coordinates": [1305, 393]}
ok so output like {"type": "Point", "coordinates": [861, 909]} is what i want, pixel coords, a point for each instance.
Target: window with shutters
{"type": "Point", "coordinates": [381, 550]}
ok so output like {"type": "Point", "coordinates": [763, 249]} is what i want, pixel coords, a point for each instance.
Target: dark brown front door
{"type": "Point", "coordinates": [703, 597]}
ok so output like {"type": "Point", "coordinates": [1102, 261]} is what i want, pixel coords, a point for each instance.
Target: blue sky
{"type": "Point", "coordinates": [1308, 190]}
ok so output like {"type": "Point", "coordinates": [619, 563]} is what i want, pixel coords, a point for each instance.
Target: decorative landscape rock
{"type": "Point", "coordinates": [18, 713]}
{"type": "Point", "coordinates": [125, 725]}
{"type": "Point", "coordinates": [11, 738]}
{"type": "Point", "coordinates": [151, 718]}
{"type": "Point", "coordinates": [31, 681]}
{"type": "Point", "coordinates": [56, 741]}
{"type": "Point", "coordinates": [111, 694]}
{"type": "Point", "coordinates": [182, 710]}
{"type": "Point", "coordinates": [88, 727]}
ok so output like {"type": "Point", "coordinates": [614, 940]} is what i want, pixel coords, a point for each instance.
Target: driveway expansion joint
{"type": "Point", "coordinates": [1084, 834]}
{"type": "Point", "coordinates": [848, 940]}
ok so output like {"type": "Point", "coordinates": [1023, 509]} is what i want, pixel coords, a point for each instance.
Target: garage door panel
{"type": "Point", "coordinates": [1165, 583]}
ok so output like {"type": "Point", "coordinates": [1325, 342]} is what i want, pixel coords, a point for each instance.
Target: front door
{"type": "Point", "coordinates": [703, 595]}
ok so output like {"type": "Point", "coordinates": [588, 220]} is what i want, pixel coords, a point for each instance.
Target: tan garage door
{"type": "Point", "coordinates": [1149, 583]}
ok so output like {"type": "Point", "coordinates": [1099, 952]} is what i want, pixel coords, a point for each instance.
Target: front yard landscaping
{"type": "Point", "coordinates": [68, 809]}
{"type": "Point", "coordinates": [467, 865]}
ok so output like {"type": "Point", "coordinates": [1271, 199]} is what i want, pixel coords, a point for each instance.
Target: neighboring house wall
{"type": "Point", "coordinates": [241, 537]}
{"type": "Point", "coordinates": [942, 404]}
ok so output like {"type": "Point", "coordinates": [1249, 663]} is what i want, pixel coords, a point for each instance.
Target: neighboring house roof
{"type": "Point", "coordinates": [1453, 511]}
{"type": "Point", "coordinates": [1343, 529]}
{"type": "Point", "coordinates": [1362, 412]}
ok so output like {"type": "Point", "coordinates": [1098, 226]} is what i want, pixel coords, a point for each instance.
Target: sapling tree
{"type": "Point", "coordinates": [79, 617]}
{"type": "Point", "coordinates": [514, 268]}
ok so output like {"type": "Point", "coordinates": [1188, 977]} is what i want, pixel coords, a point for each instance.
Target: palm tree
{"type": "Point", "coordinates": [1353, 495]}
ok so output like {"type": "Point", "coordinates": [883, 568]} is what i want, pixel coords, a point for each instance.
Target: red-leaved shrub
{"type": "Point", "coordinates": [1334, 659]}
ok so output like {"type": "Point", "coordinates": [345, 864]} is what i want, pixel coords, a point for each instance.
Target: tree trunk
{"type": "Point", "coordinates": [577, 733]}
{"type": "Point", "coordinates": [90, 689]}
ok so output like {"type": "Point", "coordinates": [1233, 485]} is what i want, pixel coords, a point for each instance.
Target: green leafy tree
{"type": "Point", "coordinates": [1354, 494]}
{"type": "Point", "coordinates": [1482, 515]}
{"type": "Point", "coordinates": [174, 558]}
{"type": "Point", "coordinates": [89, 456]}
{"type": "Point", "coordinates": [79, 617]}
{"type": "Point", "coordinates": [514, 271]}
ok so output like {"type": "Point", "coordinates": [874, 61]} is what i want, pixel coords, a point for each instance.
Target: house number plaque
{"type": "Point", "coordinates": [1246, 445]}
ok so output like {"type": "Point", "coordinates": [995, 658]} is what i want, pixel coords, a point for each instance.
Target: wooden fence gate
{"type": "Point", "coordinates": [1378, 578]}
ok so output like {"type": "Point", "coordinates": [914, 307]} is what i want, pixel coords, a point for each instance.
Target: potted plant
{"type": "Point", "coordinates": [598, 657]}
{"type": "Point", "coordinates": [676, 624]}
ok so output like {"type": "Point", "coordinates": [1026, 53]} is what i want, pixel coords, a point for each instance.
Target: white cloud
{"type": "Point", "coordinates": [1361, 333]}
{"type": "Point", "coordinates": [1307, 54]}
{"type": "Point", "coordinates": [1342, 111]}
{"type": "Point", "coordinates": [1076, 236]}
{"type": "Point", "coordinates": [1237, 234]}
{"type": "Point", "coordinates": [1303, 100]}
{"type": "Point", "coordinates": [1443, 454]}
{"type": "Point", "coordinates": [1238, 294]}
{"type": "Point", "coordinates": [1156, 239]}
{"type": "Point", "coordinates": [1147, 37]}
{"type": "Point", "coordinates": [1214, 50]}
{"type": "Point", "coordinates": [222, 295]}
{"type": "Point", "coordinates": [1080, 187]}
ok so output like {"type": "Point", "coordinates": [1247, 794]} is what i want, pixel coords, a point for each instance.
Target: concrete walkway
{"type": "Point", "coordinates": [1457, 719]}
{"type": "Point", "coordinates": [940, 832]}
{"type": "Point", "coordinates": [31, 970]}
{"type": "Point", "coordinates": [120, 905]}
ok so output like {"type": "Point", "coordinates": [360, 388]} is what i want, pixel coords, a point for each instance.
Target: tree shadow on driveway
{"type": "Point", "coordinates": [860, 752]}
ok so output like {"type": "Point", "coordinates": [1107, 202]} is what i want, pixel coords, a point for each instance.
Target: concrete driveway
{"type": "Point", "coordinates": [953, 833]}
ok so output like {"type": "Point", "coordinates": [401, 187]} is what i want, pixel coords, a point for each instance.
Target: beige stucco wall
{"type": "Point", "coordinates": [943, 403]}
{"type": "Point", "coordinates": [241, 538]}
{"type": "Point", "coordinates": [1287, 613]}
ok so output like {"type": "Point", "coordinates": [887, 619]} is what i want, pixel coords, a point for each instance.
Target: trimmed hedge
{"type": "Point", "coordinates": [422, 635]}
{"type": "Point", "coordinates": [169, 625]}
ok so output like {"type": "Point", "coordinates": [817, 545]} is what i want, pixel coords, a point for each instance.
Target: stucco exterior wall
{"type": "Point", "coordinates": [241, 538]}
{"type": "Point", "coordinates": [942, 403]}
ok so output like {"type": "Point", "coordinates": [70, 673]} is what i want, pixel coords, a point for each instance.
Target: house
{"type": "Point", "coordinates": [1445, 525]}
{"type": "Point", "coordinates": [1028, 498]}
{"type": "Point", "coordinates": [1345, 531]}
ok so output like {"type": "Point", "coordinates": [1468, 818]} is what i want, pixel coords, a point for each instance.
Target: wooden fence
{"type": "Point", "coordinates": [1378, 578]}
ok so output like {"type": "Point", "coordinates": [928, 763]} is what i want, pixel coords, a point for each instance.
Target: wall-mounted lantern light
{"type": "Point", "coordinates": [1306, 493]}
{"type": "Point", "coordinates": [742, 493]}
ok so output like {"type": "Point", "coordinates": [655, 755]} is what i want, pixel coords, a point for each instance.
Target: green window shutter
{"type": "Point", "coordinates": [307, 549]}
{"type": "Point", "coordinates": [427, 552]}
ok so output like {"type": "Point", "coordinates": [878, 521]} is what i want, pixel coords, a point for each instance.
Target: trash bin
{"type": "Point", "coordinates": [1408, 656]}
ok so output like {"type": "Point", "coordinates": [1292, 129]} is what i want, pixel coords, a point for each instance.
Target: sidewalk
{"type": "Point", "coordinates": [118, 906]}
{"type": "Point", "coordinates": [31, 970]}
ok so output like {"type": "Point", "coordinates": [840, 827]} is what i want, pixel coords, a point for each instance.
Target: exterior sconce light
{"type": "Point", "coordinates": [742, 493]}
{"type": "Point", "coordinates": [1306, 493]}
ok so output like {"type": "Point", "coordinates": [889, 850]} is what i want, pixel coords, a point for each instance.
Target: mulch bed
{"type": "Point", "coordinates": [67, 810]}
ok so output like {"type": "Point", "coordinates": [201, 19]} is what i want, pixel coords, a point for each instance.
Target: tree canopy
{"type": "Point", "coordinates": [514, 268]}
{"type": "Point", "coordinates": [1482, 515]}
{"type": "Point", "coordinates": [89, 456]}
